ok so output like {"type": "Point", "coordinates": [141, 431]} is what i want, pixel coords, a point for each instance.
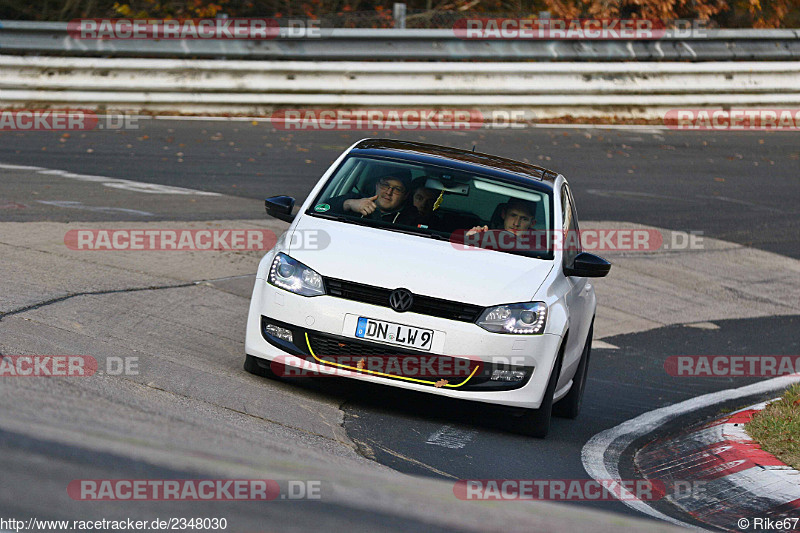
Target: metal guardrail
{"type": "Point", "coordinates": [395, 78]}
{"type": "Point", "coordinates": [42, 66]}
{"type": "Point", "coordinates": [51, 38]}
{"type": "Point", "coordinates": [260, 87]}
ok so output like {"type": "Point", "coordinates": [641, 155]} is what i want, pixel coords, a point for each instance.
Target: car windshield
{"type": "Point", "coordinates": [435, 201]}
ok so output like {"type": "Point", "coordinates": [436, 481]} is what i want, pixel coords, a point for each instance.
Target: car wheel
{"type": "Point", "coordinates": [570, 405]}
{"type": "Point", "coordinates": [536, 422]}
{"type": "Point", "coordinates": [259, 367]}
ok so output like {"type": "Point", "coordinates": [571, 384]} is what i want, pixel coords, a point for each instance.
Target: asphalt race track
{"type": "Point", "coordinates": [735, 186]}
{"type": "Point", "coordinates": [192, 412]}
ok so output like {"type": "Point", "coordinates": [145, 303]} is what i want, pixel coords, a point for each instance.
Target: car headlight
{"type": "Point", "coordinates": [295, 277]}
{"type": "Point", "coordinates": [522, 319]}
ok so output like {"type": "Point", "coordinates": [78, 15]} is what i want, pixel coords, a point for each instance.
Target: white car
{"type": "Point", "coordinates": [433, 269]}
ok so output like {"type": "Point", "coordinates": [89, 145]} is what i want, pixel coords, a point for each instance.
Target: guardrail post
{"type": "Point", "coordinates": [399, 13]}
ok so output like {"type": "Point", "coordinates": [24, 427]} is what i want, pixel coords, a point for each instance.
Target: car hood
{"type": "Point", "coordinates": [430, 267]}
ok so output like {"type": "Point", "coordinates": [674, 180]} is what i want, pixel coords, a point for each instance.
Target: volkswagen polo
{"type": "Point", "coordinates": [444, 271]}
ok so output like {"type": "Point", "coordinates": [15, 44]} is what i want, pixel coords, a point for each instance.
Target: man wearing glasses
{"type": "Point", "coordinates": [388, 203]}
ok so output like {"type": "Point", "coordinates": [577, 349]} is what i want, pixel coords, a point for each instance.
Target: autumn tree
{"type": "Point", "coordinates": [421, 13]}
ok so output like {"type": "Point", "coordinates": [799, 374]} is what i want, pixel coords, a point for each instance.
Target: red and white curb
{"type": "Point", "coordinates": [727, 479]}
{"type": "Point", "coordinates": [715, 494]}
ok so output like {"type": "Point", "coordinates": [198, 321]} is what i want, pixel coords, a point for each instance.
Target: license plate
{"type": "Point", "coordinates": [378, 330]}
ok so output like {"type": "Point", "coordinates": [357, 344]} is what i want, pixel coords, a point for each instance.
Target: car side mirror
{"type": "Point", "coordinates": [588, 265]}
{"type": "Point", "coordinates": [280, 207]}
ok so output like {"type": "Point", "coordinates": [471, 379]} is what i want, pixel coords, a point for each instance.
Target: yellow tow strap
{"type": "Point", "coordinates": [356, 369]}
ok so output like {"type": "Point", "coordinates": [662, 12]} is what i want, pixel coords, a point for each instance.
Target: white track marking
{"type": "Point", "coordinates": [116, 183]}
{"type": "Point", "coordinates": [19, 167]}
{"type": "Point", "coordinates": [701, 325]}
{"type": "Point", "coordinates": [602, 345]}
{"type": "Point", "coordinates": [450, 437]}
{"type": "Point", "coordinates": [602, 453]}
{"type": "Point", "coordinates": [741, 202]}
{"type": "Point", "coordinates": [98, 209]}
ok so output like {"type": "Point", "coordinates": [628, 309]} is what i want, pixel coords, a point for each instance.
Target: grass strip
{"type": "Point", "coordinates": [777, 427]}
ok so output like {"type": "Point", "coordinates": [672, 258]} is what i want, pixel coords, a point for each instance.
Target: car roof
{"type": "Point", "coordinates": [518, 171]}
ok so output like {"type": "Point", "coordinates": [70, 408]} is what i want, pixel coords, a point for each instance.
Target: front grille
{"type": "Point", "coordinates": [424, 305]}
{"type": "Point", "coordinates": [358, 292]}
{"type": "Point", "coordinates": [326, 346]}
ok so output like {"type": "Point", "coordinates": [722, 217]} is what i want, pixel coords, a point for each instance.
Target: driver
{"type": "Point", "coordinates": [388, 202]}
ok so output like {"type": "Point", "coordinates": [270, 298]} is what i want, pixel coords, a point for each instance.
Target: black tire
{"type": "Point", "coordinates": [259, 367]}
{"type": "Point", "coordinates": [570, 405]}
{"type": "Point", "coordinates": [536, 422]}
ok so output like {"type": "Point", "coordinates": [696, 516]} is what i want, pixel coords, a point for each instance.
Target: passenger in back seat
{"type": "Point", "coordinates": [517, 215]}
{"type": "Point", "coordinates": [420, 212]}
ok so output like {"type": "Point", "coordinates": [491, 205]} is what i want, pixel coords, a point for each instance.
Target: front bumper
{"type": "Point", "coordinates": [321, 324]}
{"type": "Point", "coordinates": [349, 356]}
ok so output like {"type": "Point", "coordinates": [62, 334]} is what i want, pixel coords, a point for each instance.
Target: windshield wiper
{"type": "Point", "coordinates": [340, 218]}
{"type": "Point", "coordinates": [412, 231]}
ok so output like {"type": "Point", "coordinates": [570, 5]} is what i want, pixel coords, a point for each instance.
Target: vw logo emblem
{"type": "Point", "coordinates": [401, 300]}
